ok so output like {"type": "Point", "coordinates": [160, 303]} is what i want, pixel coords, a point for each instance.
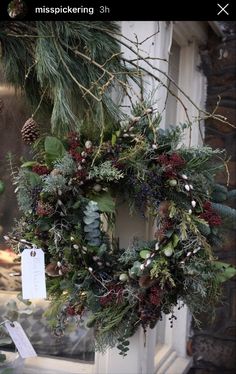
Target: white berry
{"type": "Point", "coordinates": [88, 144]}
{"type": "Point", "coordinates": [193, 203]}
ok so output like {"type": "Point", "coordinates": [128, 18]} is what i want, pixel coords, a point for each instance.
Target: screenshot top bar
{"type": "Point", "coordinates": [117, 10]}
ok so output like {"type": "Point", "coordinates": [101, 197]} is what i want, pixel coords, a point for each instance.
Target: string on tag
{"type": "Point", "coordinates": [6, 320]}
{"type": "Point", "coordinates": [33, 250]}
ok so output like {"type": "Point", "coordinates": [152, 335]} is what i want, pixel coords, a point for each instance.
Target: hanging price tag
{"type": "Point", "coordinates": [33, 274]}
{"type": "Point", "coordinates": [20, 339]}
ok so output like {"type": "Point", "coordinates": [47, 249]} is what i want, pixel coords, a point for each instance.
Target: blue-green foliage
{"type": "Point", "coordinates": [92, 224]}
{"type": "Point", "coordinates": [53, 183]}
{"type": "Point", "coordinates": [66, 165]}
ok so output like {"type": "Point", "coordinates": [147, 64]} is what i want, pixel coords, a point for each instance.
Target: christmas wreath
{"type": "Point", "coordinates": [68, 195]}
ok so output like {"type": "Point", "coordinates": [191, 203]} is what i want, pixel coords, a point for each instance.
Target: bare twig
{"type": "Point", "coordinates": [164, 85]}
{"type": "Point", "coordinates": [203, 113]}
{"type": "Point", "coordinates": [40, 102]}
{"type": "Point", "coordinates": [149, 37]}
{"type": "Point", "coordinates": [83, 88]}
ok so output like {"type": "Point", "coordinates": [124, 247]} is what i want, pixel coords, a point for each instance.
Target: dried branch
{"type": "Point", "coordinates": [203, 113]}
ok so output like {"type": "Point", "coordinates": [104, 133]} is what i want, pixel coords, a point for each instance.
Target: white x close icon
{"type": "Point", "coordinates": [222, 9]}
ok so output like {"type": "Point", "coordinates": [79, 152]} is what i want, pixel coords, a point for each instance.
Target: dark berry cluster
{"type": "Point", "coordinates": [209, 215]}
{"type": "Point", "coordinates": [113, 295]}
{"type": "Point", "coordinates": [155, 295]}
{"type": "Point", "coordinates": [40, 169]}
{"type": "Point", "coordinates": [170, 162]}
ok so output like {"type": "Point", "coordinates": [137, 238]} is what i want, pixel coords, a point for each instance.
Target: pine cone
{"type": "Point", "coordinates": [30, 131]}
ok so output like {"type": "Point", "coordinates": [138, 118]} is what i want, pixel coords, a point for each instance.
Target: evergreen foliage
{"type": "Point", "coordinates": [69, 66]}
{"type": "Point", "coordinates": [106, 171]}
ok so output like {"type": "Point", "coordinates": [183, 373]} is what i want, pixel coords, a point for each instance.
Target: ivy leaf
{"type": "Point", "coordinates": [105, 202]}
{"type": "Point", "coordinates": [227, 271]}
{"type": "Point", "coordinates": [54, 149]}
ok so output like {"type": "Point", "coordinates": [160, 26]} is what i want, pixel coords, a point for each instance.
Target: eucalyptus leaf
{"type": "Point", "coordinates": [92, 226]}
{"type": "Point", "coordinates": [94, 242]}
{"type": "Point", "coordinates": [93, 234]}
{"type": "Point", "coordinates": [94, 215]}
{"type": "Point", "coordinates": [88, 220]}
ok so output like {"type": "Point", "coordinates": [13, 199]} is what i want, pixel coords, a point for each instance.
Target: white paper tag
{"type": "Point", "coordinates": [33, 274]}
{"type": "Point", "coordinates": [20, 339]}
